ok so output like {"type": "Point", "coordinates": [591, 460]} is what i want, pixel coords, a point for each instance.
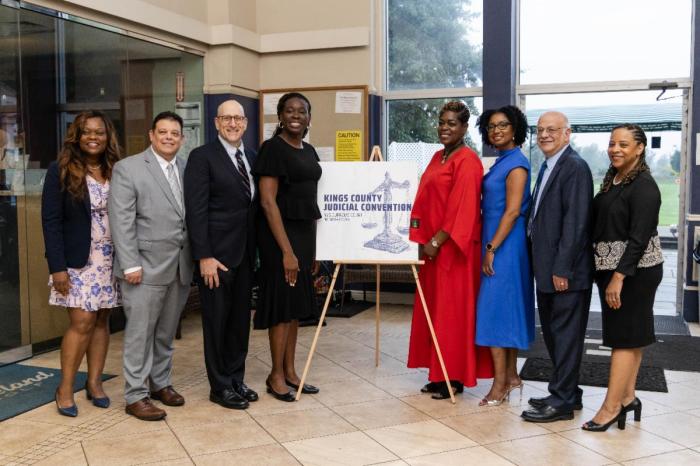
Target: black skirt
{"type": "Point", "coordinates": [631, 326]}
{"type": "Point", "coordinates": [278, 301]}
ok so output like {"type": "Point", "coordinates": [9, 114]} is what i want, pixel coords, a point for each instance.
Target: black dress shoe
{"type": "Point", "coordinates": [229, 398]}
{"type": "Point", "coordinates": [547, 414]}
{"type": "Point", "coordinates": [246, 392]}
{"type": "Point", "coordinates": [442, 394]}
{"type": "Point", "coordinates": [306, 389]}
{"type": "Point", "coordinates": [288, 397]}
{"type": "Point", "coordinates": [540, 402]}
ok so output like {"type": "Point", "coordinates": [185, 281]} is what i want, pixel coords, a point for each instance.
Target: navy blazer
{"type": "Point", "coordinates": [560, 238]}
{"type": "Point", "coordinates": [220, 215]}
{"type": "Point", "coordinates": [66, 223]}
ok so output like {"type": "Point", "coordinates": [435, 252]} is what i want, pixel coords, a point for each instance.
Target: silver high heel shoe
{"type": "Point", "coordinates": [520, 386]}
{"type": "Point", "coordinates": [496, 402]}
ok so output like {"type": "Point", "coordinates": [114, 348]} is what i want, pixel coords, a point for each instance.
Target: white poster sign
{"type": "Point", "coordinates": [348, 102]}
{"type": "Point", "coordinates": [366, 210]}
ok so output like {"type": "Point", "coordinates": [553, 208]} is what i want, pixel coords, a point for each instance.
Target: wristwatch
{"type": "Point", "coordinates": [434, 243]}
{"type": "Point", "coordinates": [490, 248]}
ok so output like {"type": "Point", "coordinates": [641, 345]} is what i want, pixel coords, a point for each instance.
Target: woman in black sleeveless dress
{"type": "Point", "coordinates": [629, 268]}
{"type": "Point", "coordinates": [288, 173]}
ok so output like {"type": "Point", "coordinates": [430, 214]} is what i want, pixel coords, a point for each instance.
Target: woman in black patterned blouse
{"type": "Point", "coordinates": [629, 268]}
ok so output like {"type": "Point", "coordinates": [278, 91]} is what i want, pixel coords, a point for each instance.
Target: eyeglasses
{"type": "Point", "coordinates": [227, 118]}
{"type": "Point", "coordinates": [500, 125]}
{"type": "Point", "coordinates": [541, 131]}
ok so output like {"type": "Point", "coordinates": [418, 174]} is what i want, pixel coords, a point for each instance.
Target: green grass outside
{"type": "Point", "coordinates": [670, 200]}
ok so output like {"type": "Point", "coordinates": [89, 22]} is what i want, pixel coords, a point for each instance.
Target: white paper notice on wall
{"type": "Point", "coordinates": [697, 148]}
{"type": "Point", "coordinates": [268, 130]}
{"type": "Point", "coordinates": [326, 154]}
{"type": "Point", "coordinates": [366, 210]}
{"type": "Point", "coordinates": [270, 103]}
{"type": "Point", "coordinates": [348, 102]}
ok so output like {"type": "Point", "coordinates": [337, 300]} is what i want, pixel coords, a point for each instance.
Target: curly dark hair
{"type": "Point", "coordinates": [513, 114]}
{"type": "Point", "coordinates": [280, 108]}
{"type": "Point", "coordinates": [459, 107]}
{"type": "Point", "coordinates": [640, 137]}
{"type": "Point", "coordinates": [72, 168]}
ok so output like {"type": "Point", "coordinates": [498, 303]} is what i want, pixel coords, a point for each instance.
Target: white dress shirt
{"type": "Point", "coordinates": [231, 151]}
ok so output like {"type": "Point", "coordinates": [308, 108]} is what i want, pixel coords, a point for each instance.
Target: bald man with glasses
{"type": "Point", "coordinates": [219, 196]}
{"type": "Point", "coordinates": [559, 233]}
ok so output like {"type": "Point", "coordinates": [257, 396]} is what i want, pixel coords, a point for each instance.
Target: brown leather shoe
{"type": "Point", "coordinates": [145, 410]}
{"type": "Point", "coordinates": [168, 396]}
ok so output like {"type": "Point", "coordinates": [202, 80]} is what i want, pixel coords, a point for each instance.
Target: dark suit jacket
{"type": "Point", "coordinates": [560, 238]}
{"type": "Point", "coordinates": [66, 224]}
{"type": "Point", "coordinates": [220, 216]}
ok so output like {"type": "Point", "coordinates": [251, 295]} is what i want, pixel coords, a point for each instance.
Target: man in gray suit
{"type": "Point", "coordinates": [153, 263]}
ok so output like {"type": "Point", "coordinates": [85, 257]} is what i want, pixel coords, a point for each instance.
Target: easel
{"type": "Point", "coordinates": [376, 155]}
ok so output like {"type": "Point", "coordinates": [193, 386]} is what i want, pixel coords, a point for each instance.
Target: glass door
{"type": "Point", "coordinates": [14, 305]}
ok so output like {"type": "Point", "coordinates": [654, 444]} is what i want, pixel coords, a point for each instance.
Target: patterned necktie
{"type": "Point", "coordinates": [243, 172]}
{"type": "Point", "coordinates": [533, 211]}
{"type": "Point", "coordinates": [174, 184]}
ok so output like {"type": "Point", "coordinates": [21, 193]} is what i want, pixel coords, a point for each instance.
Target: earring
{"type": "Point", "coordinates": [280, 125]}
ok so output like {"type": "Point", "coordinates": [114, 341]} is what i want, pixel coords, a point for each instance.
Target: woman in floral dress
{"type": "Point", "coordinates": [79, 251]}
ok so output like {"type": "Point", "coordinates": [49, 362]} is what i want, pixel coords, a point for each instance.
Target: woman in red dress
{"type": "Point", "coordinates": [446, 223]}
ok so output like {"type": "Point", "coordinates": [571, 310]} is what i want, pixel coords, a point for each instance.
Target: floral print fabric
{"type": "Point", "coordinates": [93, 287]}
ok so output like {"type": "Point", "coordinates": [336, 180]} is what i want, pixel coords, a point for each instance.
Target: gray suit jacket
{"type": "Point", "coordinates": [148, 227]}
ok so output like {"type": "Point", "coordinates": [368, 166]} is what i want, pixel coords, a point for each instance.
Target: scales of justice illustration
{"type": "Point", "coordinates": [387, 240]}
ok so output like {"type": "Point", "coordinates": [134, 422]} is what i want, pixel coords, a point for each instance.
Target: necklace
{"type": "Point", "coordinates": [615, 181]}
{"type": "Point", "coordinates": [445, 154]}
{"type": "Point", "coordinates": [93, 167]}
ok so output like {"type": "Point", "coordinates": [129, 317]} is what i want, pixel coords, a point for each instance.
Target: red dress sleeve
{"type": "Point", "coordinates": [462, 219]}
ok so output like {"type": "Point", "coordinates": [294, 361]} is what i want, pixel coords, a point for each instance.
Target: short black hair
{"type": "Point", "coordinates": [167, 115]}
{"type": "Point", "coordinates": [515, 116]}
{"type": "Point", "coordinates": [459, 107]}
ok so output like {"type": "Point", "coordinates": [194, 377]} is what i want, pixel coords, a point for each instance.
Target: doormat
{"type": "Point", "coordinates": [23, 388]}
{"type": "Point", "coordinates": [670, 352]}
{"type": "Point", "coordinates": [595, 374]}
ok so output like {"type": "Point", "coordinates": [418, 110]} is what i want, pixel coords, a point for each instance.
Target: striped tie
{"type": "Point", "coordinates": [174, 185]}
{"type": "Point", "coordinates": [243, 172]}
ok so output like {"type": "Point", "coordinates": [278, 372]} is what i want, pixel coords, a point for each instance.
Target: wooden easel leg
{"type": "Point", "coordinates": [318, 331]}
{"type": "Point", "coordinates": [432, 334]}
{"type": "Point", "coordinates": [376, 316]}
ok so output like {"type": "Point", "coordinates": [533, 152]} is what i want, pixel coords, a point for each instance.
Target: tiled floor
{"type": "Point", "coordinates": [363, 415]}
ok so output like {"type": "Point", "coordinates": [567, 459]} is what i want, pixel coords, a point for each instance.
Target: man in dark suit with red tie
{"type": "Point", "coordinates": [219, 195]}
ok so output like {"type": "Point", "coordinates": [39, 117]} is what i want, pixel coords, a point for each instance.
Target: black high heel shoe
{"type": "Point", "coordinates": [288, 397]}
{"type": "Point", "coordinates": [595, 427]}
{"type": "Point", "coordinates": [306, 389]}
{"type": "Point", "coordinates": [99, 402]}
{"type": "Point", "coordinates": [636, 406]}
{"type": "Point", "coordinates": [442, 394]}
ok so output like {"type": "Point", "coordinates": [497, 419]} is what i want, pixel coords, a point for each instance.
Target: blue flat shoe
{"type": "Point", "coordinates": [70, 411]}
{"type": "Point", "coordinates": [99, 402]}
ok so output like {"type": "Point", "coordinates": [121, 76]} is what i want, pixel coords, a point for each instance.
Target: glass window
{"type": "Point", "coordinates": [413, 128]}
{"type": "Point", "coordinates": [435, 44]}
{"type": "Point", "coordinates": [609, 40]}
{"type": "Point", "coordinates": [593, 115]}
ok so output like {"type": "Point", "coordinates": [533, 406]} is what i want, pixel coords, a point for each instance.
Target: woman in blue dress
{"type": "Point", "coordinates": [505, 313]}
